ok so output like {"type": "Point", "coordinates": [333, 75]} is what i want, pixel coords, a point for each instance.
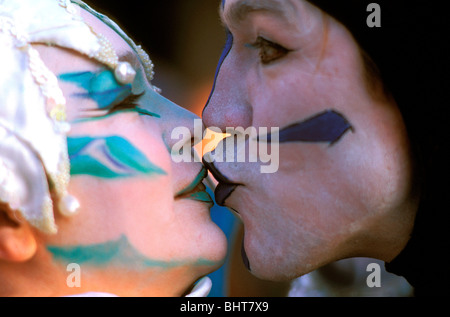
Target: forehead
{"type": "Point", "coordinates": [121, 47]}
{"type": "Point", "coordinates": [236, 11]}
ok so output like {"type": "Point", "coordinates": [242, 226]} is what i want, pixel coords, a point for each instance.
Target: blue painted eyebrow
{"type": "Point", "coordinates": [102, 87]}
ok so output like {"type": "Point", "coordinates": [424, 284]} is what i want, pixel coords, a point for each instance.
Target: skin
{"type": "Point", "coordinates": [134, 235]}
{"type": "Point", "coordinates": [289, 62]}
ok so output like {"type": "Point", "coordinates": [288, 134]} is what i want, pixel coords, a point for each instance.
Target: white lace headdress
{"type": "Point", "coordinates": [34, 163]}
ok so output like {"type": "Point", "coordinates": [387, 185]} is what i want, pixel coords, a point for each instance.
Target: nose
{"type": "Point", "coordinates": [228, 104]}
{"type": "Point", "coordinates": [175, 118]}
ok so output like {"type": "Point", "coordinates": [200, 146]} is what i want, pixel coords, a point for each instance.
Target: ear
{"type": "Point", "coordinates": [17, 239]}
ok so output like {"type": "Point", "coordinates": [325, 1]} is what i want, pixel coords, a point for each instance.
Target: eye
{"type": "Point", "coordinates": [268, 51]}
{"type": "Point", "coordinates": [131, 103]}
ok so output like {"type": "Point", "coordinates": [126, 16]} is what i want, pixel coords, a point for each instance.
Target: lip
{"type": "Point", "coordinates": [196, 190]}
{"type": "Point", "coordinates": [224, 188]}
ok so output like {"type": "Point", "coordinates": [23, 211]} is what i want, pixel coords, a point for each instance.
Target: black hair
{"type": "Point", "coordinates": [411, 54]}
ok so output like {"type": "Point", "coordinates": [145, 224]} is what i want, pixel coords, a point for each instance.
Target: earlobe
{"type": "Point", "coordinates": [17, 238]}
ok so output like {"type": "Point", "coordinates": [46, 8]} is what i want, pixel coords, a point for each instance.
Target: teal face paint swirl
{"type": "Point", "coordinates": [118, 253]}
{"type": "Point", "coordinates": [108, 157]}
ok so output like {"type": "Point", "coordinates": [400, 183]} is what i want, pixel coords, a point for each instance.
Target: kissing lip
{"type": "Point", "coordinates": [195, 182]}
{"type": "Point", "coordinates": [224, 188]}
{"type": "Point", "coordinates": [196, 190]}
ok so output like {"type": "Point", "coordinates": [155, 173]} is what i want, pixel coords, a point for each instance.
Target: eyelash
{"type": "Point", "coordinates": [132, 103]}
{"type": "Point", "coordinates": [129, 103]}
{"type": "Point", "coordinates": [265, 56]}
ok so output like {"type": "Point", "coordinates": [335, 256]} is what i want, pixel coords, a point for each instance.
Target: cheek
{"type": "Point", "coordinates": [313, 183]}
{"type": "Point", "coordinates": [301, 88]}
{"type": "Point", "coordinates": [138, 209]}
{"type": "Point", "coordinates": [122, 168]}
{"type": "Point", "coordinates": [284, 97]}
{"type": "Point", "coordinates": [123, 203]}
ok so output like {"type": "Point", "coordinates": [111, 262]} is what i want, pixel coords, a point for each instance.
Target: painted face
{"type": "Point", "coordinates": [344, 163]}
{"type": "Point", "coordinates": [144, 226]}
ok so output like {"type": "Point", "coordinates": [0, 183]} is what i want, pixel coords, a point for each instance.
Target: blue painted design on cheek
{"type": "Point", "coordinates": [119, 253]}
{"type": "Point", "coordinates": [328, 126]}
{"type": "Point", "coordinates": [110, 157]}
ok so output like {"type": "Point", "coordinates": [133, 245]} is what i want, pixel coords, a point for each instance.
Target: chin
{"type": "Point", "coordinates": [281, 270]}
{"type": "Point", "coordinates": [216, 248]}
{"type": "Point", "coordinates": [209, 241]}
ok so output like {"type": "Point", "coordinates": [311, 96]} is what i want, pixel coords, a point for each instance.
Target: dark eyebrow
{"type": "Point", "coordinates": [238, 11]}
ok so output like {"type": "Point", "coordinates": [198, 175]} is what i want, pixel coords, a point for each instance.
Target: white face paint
{"type": "Point", "coordinates": [288, 62]}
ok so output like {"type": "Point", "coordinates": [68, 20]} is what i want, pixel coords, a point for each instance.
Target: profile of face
{"type": "Point", "coordinates": [143, 227]}
{"type": "Point", "coordinates": [343, 184]}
